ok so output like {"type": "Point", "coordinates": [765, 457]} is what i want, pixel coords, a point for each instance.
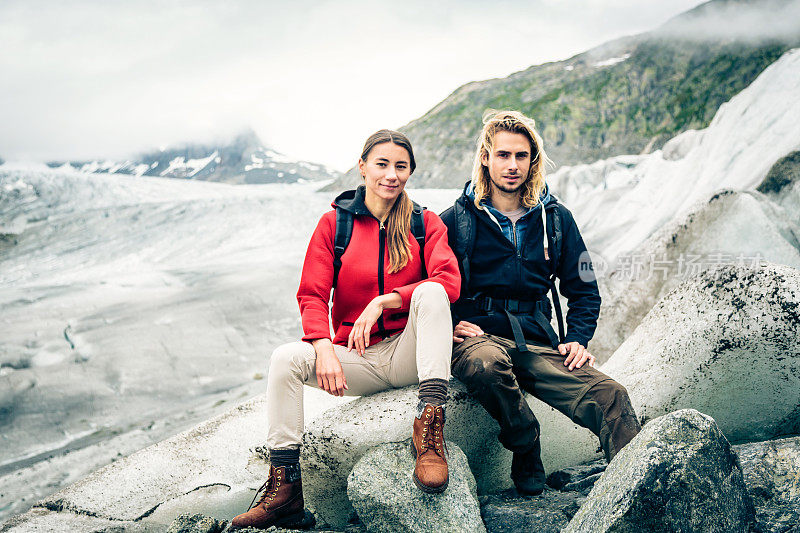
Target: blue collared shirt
{"type": "Point", "coordinates": [514, 232]}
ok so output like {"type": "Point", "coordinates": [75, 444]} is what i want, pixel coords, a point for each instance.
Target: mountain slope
{"type": "Point", "coordinates": [624, 97]}
{"type": "Point", "coordinates": [243, 160]}
{"type": "Point", "coordinates": [650, 219]}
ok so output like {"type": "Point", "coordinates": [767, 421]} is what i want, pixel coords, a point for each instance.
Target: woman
{"type": "Point", "coordinates": [391, 320]}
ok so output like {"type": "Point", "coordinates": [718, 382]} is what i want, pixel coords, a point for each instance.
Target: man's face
{"type": "Point", "coordinates": [509, 161]}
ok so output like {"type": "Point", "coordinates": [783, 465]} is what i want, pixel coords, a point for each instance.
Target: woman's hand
{"type": "Point", "coordinates": [359, 335]}
{"type": "Point", "coordinates": [330, 376]}
{"type": "Point", "coordinates": [465, 329]}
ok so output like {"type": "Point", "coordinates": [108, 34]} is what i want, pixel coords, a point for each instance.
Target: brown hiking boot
{"type": "Point", "coordinates": [280, 504]}
{"type": "Point", "coordinates": [427, 444]}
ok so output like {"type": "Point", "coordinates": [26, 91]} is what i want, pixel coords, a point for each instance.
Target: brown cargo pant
{"type": "Point", "coordinates": [496, 373]}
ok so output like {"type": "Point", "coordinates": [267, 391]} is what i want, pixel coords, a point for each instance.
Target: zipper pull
{"type": "Point", "coordinates": [382, 226]}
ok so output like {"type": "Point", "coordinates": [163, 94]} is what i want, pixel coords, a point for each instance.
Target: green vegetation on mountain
{"type": "Point", "coordinates": [627, 96]}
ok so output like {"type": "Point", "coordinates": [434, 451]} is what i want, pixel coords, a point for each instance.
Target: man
{"type": "Point", "coordinates": [504, 341]}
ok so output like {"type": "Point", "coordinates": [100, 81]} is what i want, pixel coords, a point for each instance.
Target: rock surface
{"type": "Point", "coordinates": [39, 520]}
{"type": "Point", "coordinates": [197, 523]}
{"type": "Point", "coordinates": [333, 443]}
{"type": "Point", "coordinates": [212, 469]}
{"type": "Point", "coordinates": [549, 512]}
{"type": "Point", "coordinates": [383, 493]}
{"type": "Point", "coordinates": [575, 474]}
{"type": "Point", "coordinates": [728, 227]}
{"type": "Point", "coordinates": [726, 343]}
{"type": "Point", "coordinates": [678, 474]}
{"type": "Point", "coordinates": [772, 474]}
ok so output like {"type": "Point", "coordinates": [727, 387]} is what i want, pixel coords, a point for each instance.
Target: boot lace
{"type": "Point", "coordinates": [432, 431]}
{"type": "Point", "coordinates": [269, 488]}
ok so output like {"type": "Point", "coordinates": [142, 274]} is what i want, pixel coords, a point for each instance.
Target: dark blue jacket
{"type": "Point", "coordinates": [500, 271]}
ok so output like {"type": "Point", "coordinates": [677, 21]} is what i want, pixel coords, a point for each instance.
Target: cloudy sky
{"type": "Point", "coordinates": [86, 79]}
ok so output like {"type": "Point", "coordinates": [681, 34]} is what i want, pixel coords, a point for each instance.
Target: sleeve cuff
{"type": "Point", "coordinates": [580, 340]}
{"type": "Point", "coordinates": [405, 293]}
{"type": "Point", "coordinates": [314, 336]}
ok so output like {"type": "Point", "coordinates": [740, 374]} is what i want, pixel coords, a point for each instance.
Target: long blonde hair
{"type": "Point", "coordinates": [398, 222]}
{"type": "Point", "coordinates": [514, 122]}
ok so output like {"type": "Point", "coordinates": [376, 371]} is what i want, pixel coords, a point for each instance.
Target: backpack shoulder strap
{"type": "Point", "coordinates": [418, 230]}
{"type": "Point", "coordinates": [465, 236]}
{"type": "Point", "coordinates": [557, 236]}
{"type": "Point", "coordinates": [344, 230]}
{"type": "Point", "coordinates": [555, 222]}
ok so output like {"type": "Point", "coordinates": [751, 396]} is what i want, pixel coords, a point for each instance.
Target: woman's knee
{"type": "Point", "coordinates": [430, 293]}
{"type": "Point", "coordinates": [288, 358]}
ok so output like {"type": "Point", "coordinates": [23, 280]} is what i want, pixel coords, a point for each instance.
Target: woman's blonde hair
{"type": "Point", "coordinates": [514, 122]}
{"type": "Point", "coordinates": [398, 222]}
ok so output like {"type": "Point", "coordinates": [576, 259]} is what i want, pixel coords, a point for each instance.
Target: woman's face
{"type": "Point", "coordinates": [386, 170]}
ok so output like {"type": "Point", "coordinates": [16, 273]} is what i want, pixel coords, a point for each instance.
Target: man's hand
{"type": "Point", "coordinates": [330, 376]}
{"type": "Point", "coordinates": [465, 329]}
{"type": "Point", "coordinates": [578, 355]}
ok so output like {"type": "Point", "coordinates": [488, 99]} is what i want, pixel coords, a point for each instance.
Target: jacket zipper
{"type": "Point", "coordinates": [381, 251]}
{"type": "Point", "coordinates": [514, 237]}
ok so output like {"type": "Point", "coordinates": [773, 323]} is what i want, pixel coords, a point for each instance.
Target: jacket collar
{"type": "Point", "coordinates": [548, 199]}
{"type": "Point", "coordinates": [352, 201]}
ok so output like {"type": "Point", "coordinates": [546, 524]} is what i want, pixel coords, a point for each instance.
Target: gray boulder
{"type": "Point", "coordinates": [510, 512]}
{"type": "Point", "coordinates": [678, 474]}
{"type": "Point", "coordinates": [383, 493]}
{"type": "Point", "coordinates": [572, 475]}
{"type": "Point", "coordinates": [335, 441]}
{"type": "Point", "coordinates": [772, 475]}
{"type": "Point", "coordinates": [196, 523]}
{"type": "Point", "coordinates": [725, 343]}
{"type": "Point", "coordinates": [728, 227]}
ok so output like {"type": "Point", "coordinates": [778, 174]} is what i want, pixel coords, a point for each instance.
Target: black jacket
{"type": "Point", "coordinates": [497, 271]}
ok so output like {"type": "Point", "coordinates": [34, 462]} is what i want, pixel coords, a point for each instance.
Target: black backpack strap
{"type": "Point", "coordinates": [555, 256]}
{"type": "Point", "coordinates": [418, 230]}
{"type": "Point", "coordinates": [536, 309]}
{"type": "Point", "coordinates": [344, 230]}
{"type": "Point", "coordinates": [465, 237]}
{"type": "Point", "coordinates": [557, 309]}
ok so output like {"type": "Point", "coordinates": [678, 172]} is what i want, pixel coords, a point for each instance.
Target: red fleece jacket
{"type": "Point", "coordinates": [358, 281]}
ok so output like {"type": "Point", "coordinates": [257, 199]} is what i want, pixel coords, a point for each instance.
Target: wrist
{"type": "Point", "coordinates": [381, 301]}
{"type": "Point", "coordinates": [390, 300]}
{"type": "Point", "coordinates": [321, 344]}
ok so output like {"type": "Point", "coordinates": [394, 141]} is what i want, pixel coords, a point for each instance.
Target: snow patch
{"type": "Point", "coordinates": [139, 170]}
{"type": "Point", "coordinates": [277, 157]}
{"type": "Point", "coordinates": [611, 61]}
{"type": "Point", "coordinates": [186, 169]}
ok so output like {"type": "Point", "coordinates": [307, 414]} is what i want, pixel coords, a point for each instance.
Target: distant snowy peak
{"type": "Point", "coordinates": [243, 160]}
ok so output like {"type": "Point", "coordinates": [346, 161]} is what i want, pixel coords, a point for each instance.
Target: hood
{"type": "Point", "coordinates": [352, 201]}
{"type": "Point", "coordinates": [546, 198]}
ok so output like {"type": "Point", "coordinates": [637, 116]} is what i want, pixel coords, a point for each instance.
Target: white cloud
{"type": "Point", "coordinates": [314, 78]}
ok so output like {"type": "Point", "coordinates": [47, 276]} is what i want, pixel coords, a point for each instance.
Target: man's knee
{"type": "Point", "coordinates": [613, 398]}
{"type": "Point", "coordinates": [484, 364]}
{"type": "Point", "coordinates": [615, 420]}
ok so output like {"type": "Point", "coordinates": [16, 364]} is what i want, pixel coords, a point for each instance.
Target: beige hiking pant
{"type": "Point", "coordinates": [421, 351]}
